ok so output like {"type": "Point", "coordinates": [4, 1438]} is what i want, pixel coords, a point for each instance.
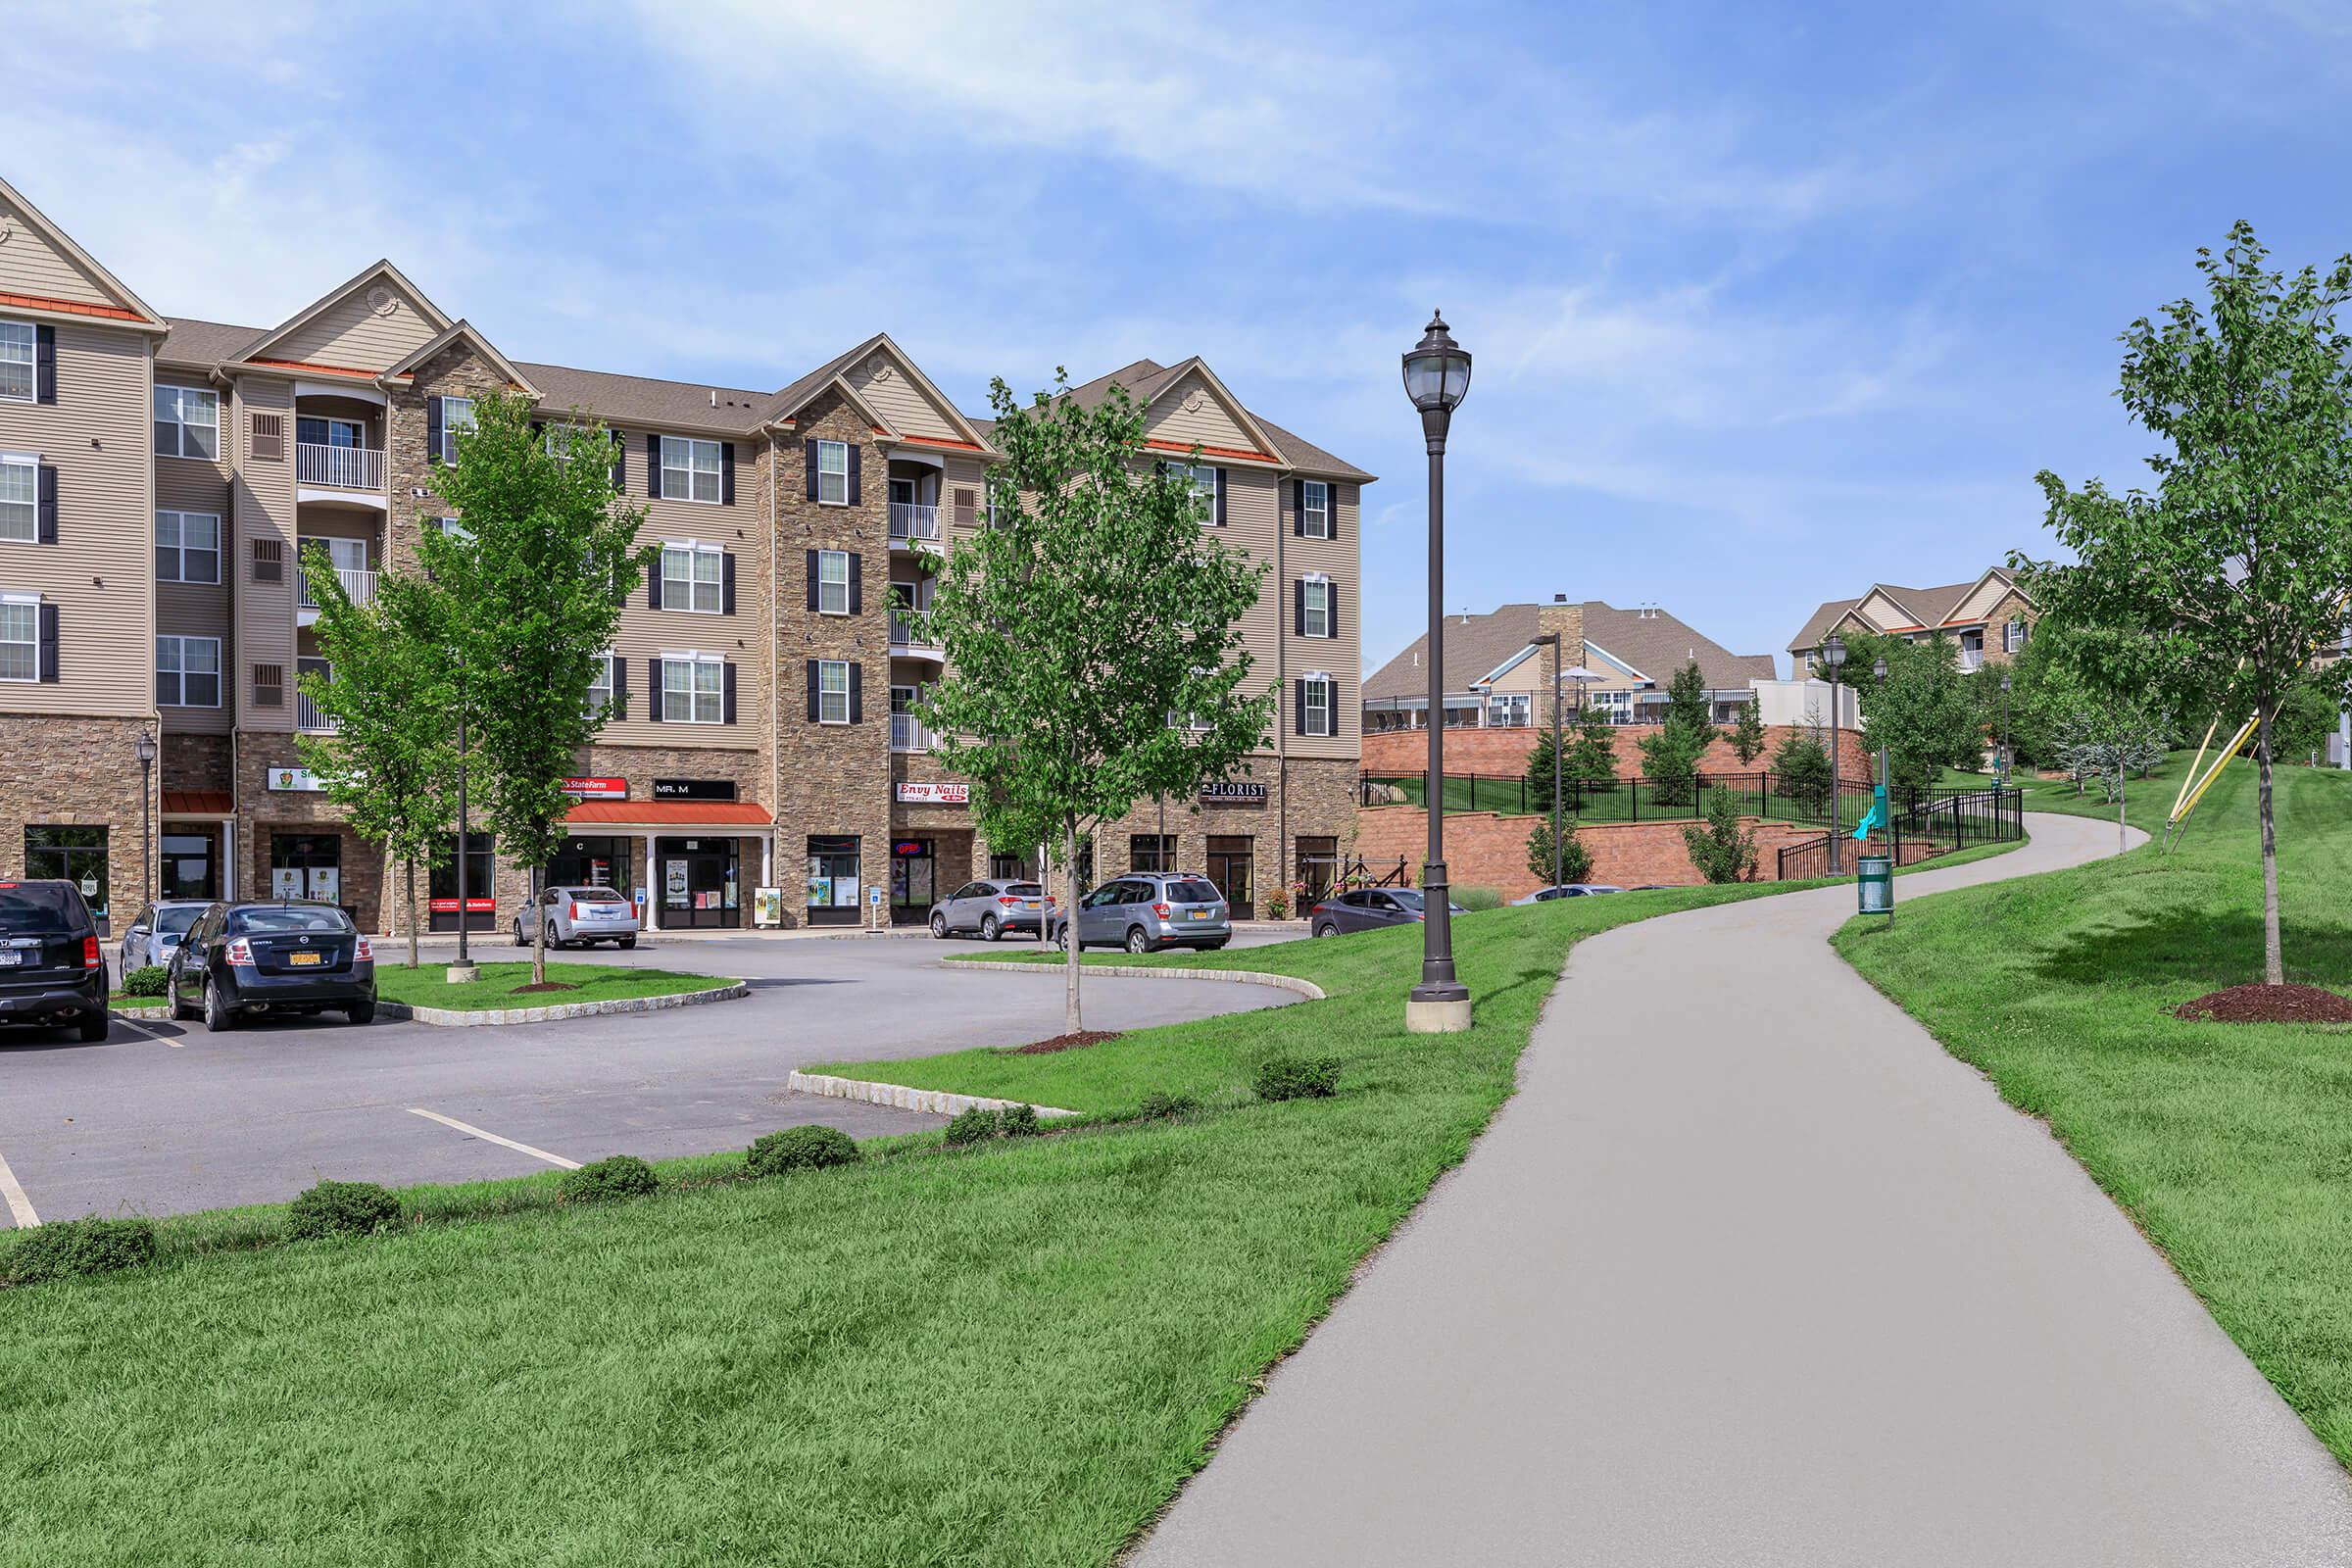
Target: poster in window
{"type": "Point", "coordinates": [285, 882]}
{"type": "Point", "coordinates": [326, 882]}
{"type": "Point", "coordinates": [673, 883]}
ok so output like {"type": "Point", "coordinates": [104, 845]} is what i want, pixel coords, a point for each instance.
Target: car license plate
{"type": "Point", "coordinates": [1029, 903]}
{"type": "Point", "coordinates": [1197, 914]}
{"type": "Point", "coordinates": [11, 956]}
{"type": "Point", "coordinates": [305, 958]}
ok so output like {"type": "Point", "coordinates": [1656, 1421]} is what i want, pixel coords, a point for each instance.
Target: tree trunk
{"type": "Point", "coordinates": [412, 899]}
{"type": "Point", "coordinates": [2123, 836]}
{"type": "Point", "coordinates": [1071, 1018]}
{"type": "Point", "coordinates": [2273, 967]}
{"type": "Point", "coordinates": [538, 933]}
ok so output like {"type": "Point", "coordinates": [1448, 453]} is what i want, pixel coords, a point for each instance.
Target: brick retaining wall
{"type": "Point", "coordinates": [1485, 850]}
{"type": "Point", "coordinates": [1503, 752]}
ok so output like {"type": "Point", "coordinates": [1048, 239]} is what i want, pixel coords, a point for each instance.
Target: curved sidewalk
{"type": "Point", "coordinates": [1749, 1271]}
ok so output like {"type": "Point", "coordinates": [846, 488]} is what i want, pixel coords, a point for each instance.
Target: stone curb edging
{"type": "Point", "coordinates": [1134, 971]}
{"type": "Point", "coordinates": [453, 1018]}
{"type": "Point", "coordinates": [938, 1102]}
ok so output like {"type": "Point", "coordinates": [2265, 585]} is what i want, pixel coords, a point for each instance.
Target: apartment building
{"type": "Point", "coordinates": [160, 477]}
{"type": "Point", "coordinates": [1987, 617]}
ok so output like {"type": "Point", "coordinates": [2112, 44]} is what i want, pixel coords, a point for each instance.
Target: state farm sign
{"type": "Point", "coordinates": [936, 794]}
{"type": "Point", "coordinates": [597, 789]}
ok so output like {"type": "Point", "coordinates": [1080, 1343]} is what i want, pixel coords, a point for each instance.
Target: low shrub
{"type": "Point", "coordinates": [1476, 899]}
{"type": "Point", "coordinates": [71, 1247]}
{"type": "Point", "coordinates": [1162, 1106]}
{"type": "Point", "coordinates": [1298, 1078]}
{"type": "Point", "coordinates": [614, 1176]}
{"type": "Point", "coordinates": [342, 1209]}
{"type": "Point", "coordinates": [800, 1148]}
{"type": "Point", "coordinates": [1017, 1122]}
{"type": "Point", "coordinates": [979, 1124]}
{"type": "Point", "coordinates": [147, 980]}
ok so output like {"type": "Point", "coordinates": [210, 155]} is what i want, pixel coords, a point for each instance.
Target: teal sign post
{"type": "Point", "coordinates": [1873, 874]}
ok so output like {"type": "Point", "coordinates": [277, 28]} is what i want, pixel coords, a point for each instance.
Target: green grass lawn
{"type": "Point", "coordinates": [426, 987]}
{"type": "Point", "coordinates": [2228, 1144]}
{"type": "Point", "coordinates": [1007, 1357]}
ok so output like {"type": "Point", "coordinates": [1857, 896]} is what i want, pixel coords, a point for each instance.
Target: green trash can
{"type": "Point", "coordinates": [1874, 884]}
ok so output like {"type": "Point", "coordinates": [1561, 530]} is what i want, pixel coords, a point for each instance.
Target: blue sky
{"type": "Point", "coordinates": [1768, 302]}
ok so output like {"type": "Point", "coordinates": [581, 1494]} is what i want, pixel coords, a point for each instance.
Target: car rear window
{"type": "Point", "coordinates": [1193, 891]}
{"type": "Point", "coordinates": [1023, 890]}
{"type": "Point", "coordinates": [285, 917]}
{"type": "Point", "coordinates": [27, 908]}
{"type": "Point", "coordinates": [596, 895]}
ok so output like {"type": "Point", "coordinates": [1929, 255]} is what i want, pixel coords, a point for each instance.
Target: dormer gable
{"type": "Point", "coordinates": [43, 273]}
{"type": "Point", "coordinates": [372, 324]}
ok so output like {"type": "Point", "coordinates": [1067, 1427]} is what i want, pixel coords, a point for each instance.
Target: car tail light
{"type": "Point", "coordinates": [90, 952]}
{"type": "Point", "coordinates": [1007, 900]}
{"type": "Point", "coordinates": [364, 952]}
{"type": "Point", "coordinates": [1163, 910]}
{"type": "Point", "coordinates": [576, 911]}
{"type": "Point", "coordinates": [240, 952]}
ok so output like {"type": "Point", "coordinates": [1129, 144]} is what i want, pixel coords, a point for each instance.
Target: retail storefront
{"type": "Point", "coordinates": [596, 862]}
{"type": "Point", "coordinates": [196, 848]}
{"type": "Point", "coordinates": [481, 888]}
{"type": "Point", "coordinates": [77, 854]}
{"type": "Point", "coordinates": [699, 882]}
{"type": "Point", "coordinates": [836, 888]}
{"type": "Point", "coordinates": [913, 878]}
{"type": "Point", "coordinates": [701, 859]}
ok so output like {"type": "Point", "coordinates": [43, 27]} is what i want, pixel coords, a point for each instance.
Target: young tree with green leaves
{"type": "Point", "coordinates": [547, 559]}
{"type": "Point", "coordinates": [1093, 634]}
{"type": "Point", "coordinates": [391, 762]}
{"type": "Point", "coordinates": [1686, 702]}
{"type": "Point", "coordinates": [1748, 739]}
{"type": "Point", "coordinates": [1670, 758]}
{"type": "Point", "coordinates": [1925, 713]}
{"type": "Point", "coordinates": [1800, 771]}
{"type": "Point", "coordinates": [1575, 861]}
{"type": "Point", "coordinates": [1592, 755]}
{"type": "Point", "coordinates": [1721, 850]}
{"type": "Point", "coordinates": [2235, 566]}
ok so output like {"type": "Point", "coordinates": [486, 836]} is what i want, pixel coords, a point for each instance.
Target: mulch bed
{"type": "Point", "coordinates": [551, 985]}
{"type": "Point", "coordinates": [2268, 1005]}
{"type": "Point", "coordinates": [1084, 1036]}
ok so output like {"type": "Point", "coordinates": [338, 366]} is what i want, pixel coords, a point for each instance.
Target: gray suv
{"type": "Point", "coordinates": [990, 907]}
{"type": "Point", "coordinates": [1144, 911]}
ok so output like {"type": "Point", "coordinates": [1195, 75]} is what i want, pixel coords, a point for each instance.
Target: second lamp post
{"type": "Point", "coordinates": [1437, 374]}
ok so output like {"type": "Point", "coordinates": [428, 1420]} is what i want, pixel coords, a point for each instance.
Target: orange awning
{"type": "Point", "coordinates": [198, 802]}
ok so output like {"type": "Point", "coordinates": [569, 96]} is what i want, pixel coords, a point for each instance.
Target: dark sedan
{"type": "Point", "coordinates": [51, 971]}
{"type": "Point", "coordinates": [241, 960]}
{"type": "Point", "coordinates": [1368, 910]}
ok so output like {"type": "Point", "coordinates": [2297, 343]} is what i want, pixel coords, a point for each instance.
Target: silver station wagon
{"type": "Point", "coordinates": [1144, 911]}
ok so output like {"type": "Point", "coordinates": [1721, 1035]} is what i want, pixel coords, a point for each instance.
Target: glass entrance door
{"type": "Point", "coordinates": [189, 865]}
{"type": "Point", "coordinates": [594, 862]}
{"type": "Point", "coordinates": [1228, 869]}
{"type": "Point", "coordinates": [835, 890]}
{"type": "Point", "coordinates": [699, 881]}
{"type": "Point", "coordinates": [912, 880]}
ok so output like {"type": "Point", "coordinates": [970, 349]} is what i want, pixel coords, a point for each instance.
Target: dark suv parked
{"type": "Point", "coordinates": [51, 971]}
{"type": "Point", "coordinates": [290, 958]}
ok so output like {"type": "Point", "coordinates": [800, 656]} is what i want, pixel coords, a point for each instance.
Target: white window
{"type": "Point", "coordinates": [832, 691]}
{"type": "Point", "coordinates": [455, 531]}
{"type": "Point", "coordinates": [188, 422]}
{"type": "Point", "coordinates": [1315, 512]}
{"type": "Point", "coordinates": [2014, 635]}
{"type": "Point", "coordinates": [600, 689]}
{"type": "Point", "coordinates": [188, 672]}
{"type": "Point", "coordinates": [20, 638]}
{"type": "Point", "coordinates": [187, 547]}
{"type": "Point", "coordinates": [694, 689]}
{"type": "Point", "coordinates": [17, 372]}
{"type": "Point", "coordinates": [1203, 481]}
{"type": "Point", "coordinates": [457, 413]}
{"type": "Point", "coordinates": [694, 579]}
{"type": "Point", "coordinates": [20, 497]}
{"type": "Point", "coordinates": [1314, 599]}
{"type": "Point", "coordinates": [833, 582]}
{"type": "Point", "coordinates": [833, 472]}
{"type": "Point", "coordinates": [690, 469]}
{"type": "Point", "coordinates": [1316, 695]}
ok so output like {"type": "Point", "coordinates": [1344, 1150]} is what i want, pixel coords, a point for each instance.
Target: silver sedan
{"type": "Point", "coordinates": [579, 914]}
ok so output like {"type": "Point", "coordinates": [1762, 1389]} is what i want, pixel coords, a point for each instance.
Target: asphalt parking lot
{"type": "Point", "coordinates": [165, 1118]}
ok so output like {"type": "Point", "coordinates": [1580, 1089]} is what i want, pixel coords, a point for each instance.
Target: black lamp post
{"type": "Point", "coordinates": [1878, 673]}
{"type": "Point", "coordinates": [1551, 639]}
{"type": "Point", "coordinates": [1832, 658]}
{"type": "Point", "coordinates": [1437, 376]}
{"type": "Point", "coordinates": [145, 750]}
{"type": "Point", "coordinates": [2002, 780]}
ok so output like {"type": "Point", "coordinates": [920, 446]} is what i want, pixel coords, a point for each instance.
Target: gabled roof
{"type": "Point", "coordinates": [1145, 380]}
{"type": "Point", "coordinates": [643, 399]}
{"type": "Point", "coordinates": [464, 331]}
{"type": "Point", "coordinates": [883, 342]}
{"type": "Point", "coordinates": [1197, 366]}
{"type": "Point", "coordinates": [1929, 608]}
{"type": "Point", "coordinates": [380, 269]}
{"type": "Point", "coordinates": [205, 343]}
{"type": "Point", "coordinates": [135, 309]}
{"type": "Point", "coordinates": [798, 395]}
{"type": "Point", "coordinates": [1480, 648]}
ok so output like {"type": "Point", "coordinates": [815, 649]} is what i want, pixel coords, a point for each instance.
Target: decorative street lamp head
{"type": "Point", "coordinates": [1437, 376]}
{"type": "Point", "coordinates": [145, 750]}
{"type": "Point", "coordinates": [2004, 683]}
{"type": "Point", "coordinates": [1833, 654]}
{"type": "Point", "coordinates": [1878, 669]}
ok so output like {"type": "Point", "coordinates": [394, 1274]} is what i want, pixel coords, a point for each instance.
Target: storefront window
{"type": "Point", "coordinates": [1318, 866]}
{"type": "Point", "coordinates": [594, 862]}
{"type": "Point", "coordinates": [307, 865]}
{"type": "Point", "coordinates": [1229, 869]}
{"type": "Point", "coordinates": [699, 882]}
{"type": "Point", "coordinates": [834, 889]}
{"type": "Point", "coordinates": [1152, 852]}
{"type": "Point", "coordinates": [75, 853]}
{"type": "Point", "coordinates": [912, 876]}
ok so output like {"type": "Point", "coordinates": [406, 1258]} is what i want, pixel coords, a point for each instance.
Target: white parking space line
{"type": "Point", "coordinates": [557, 1160]}
{"type": "Point", "coordinates": [20, 1207]}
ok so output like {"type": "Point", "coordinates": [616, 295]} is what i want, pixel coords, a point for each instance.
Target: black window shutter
{"type": "Point", "coordinates": [653, 690]}
{"type": "Point", "coordinates": [1330, 508]}
{"type": "Point", "coordinates": [857, 693]}
{"type": "Point", "coordinates": [652, 586]}
{"type": "Point", "coordinates": [1331, 611]}
{"type": "Point", "coordinates": [812, 691]}
{"type": "Point", "coordinates": [653, 465]}
{"type": "Point", "coordinates": [812, 590]}
{"type": "Point", "coordinates": [1220, 508]}
{"type": "Point", "coordinates": [727, 472]}
{"type": "Point", "coordinates": [45, 507]}
{"type": "Point", "coordinates": [809, 456]}
{"type": "Point", "coordinates": [432, 429]}
{"type": "Point", "coordinates": [1299, 507]}
{"type": "Point", "coordinates": [621, 464]}
{"type": "Point", "coordinates": [726, 590]}
{"type": "Point", "coordinates": [1298, 707]}
{"type": "Point", "coordinates": [855, 452]}
{"type": "Point", "coordinates": [44, 364]}
{"type": "Point", "coordinates": [857, 584]}
{"type": "Point", "coordinates": [621, 688]}
{"type": "Point", "coordinates": [46, 654]}
{"type": "Point", "coordinates": [1298, 607]}
{"type": "Point", "coordinates": [728, 716]}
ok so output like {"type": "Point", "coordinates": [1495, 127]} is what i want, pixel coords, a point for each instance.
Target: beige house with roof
{"type": "Point", "coordinates": [160, 477]}
{"type": "Point", "coordinates": [1987, 617]}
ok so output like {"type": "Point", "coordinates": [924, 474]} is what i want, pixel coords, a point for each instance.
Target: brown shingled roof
{"type": "Point", "coordinates": [206, 343]}
{"type": "Point", "coordinates": [1931, 607]}
{"type": "Point", "coordinates": [1656, 644]}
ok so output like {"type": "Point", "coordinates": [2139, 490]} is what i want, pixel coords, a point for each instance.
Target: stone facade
{"type": "Point", "coordinates": [69, 771]}
{"type": "Point", "coordinates": [198, 761]}
{"type": "Point", "coordinates": [458, 373]}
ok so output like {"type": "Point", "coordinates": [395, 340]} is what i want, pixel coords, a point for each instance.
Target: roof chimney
{"type": "Point", "coordinates": [1568, 621]}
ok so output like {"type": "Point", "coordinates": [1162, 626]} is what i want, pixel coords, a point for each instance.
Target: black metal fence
{"type": "Point", "coordinates": [1625, 799]}
{"type": "Point", "coordinates": [1931, 822]}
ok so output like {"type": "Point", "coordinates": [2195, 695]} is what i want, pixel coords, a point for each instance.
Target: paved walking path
{"type": "Point", "coordinates": [1750, 1272]}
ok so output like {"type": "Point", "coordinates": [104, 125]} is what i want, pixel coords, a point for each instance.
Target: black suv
{"type": "Point", "coordinates": [291, 958]}
{"type": "Point", "coordinates": [51, 971]}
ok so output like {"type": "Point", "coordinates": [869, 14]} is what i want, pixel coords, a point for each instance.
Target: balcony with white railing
{"type": "Point", "coordinates": [359, 586]}
{"type": "Point", "coordinates": [335, 468]}
{"type": "Point", "coordinates": [911, 523]}
{"type": "Point", "coordinates": [307, 715]}
{"type": "Point", "coordinates": [911, 634]}
{"type": "Point", "coordinates": [908, 734]}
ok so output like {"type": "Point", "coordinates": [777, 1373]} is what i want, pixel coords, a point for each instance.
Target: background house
{"type": "Point", "coordinates": [1990, 617]}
